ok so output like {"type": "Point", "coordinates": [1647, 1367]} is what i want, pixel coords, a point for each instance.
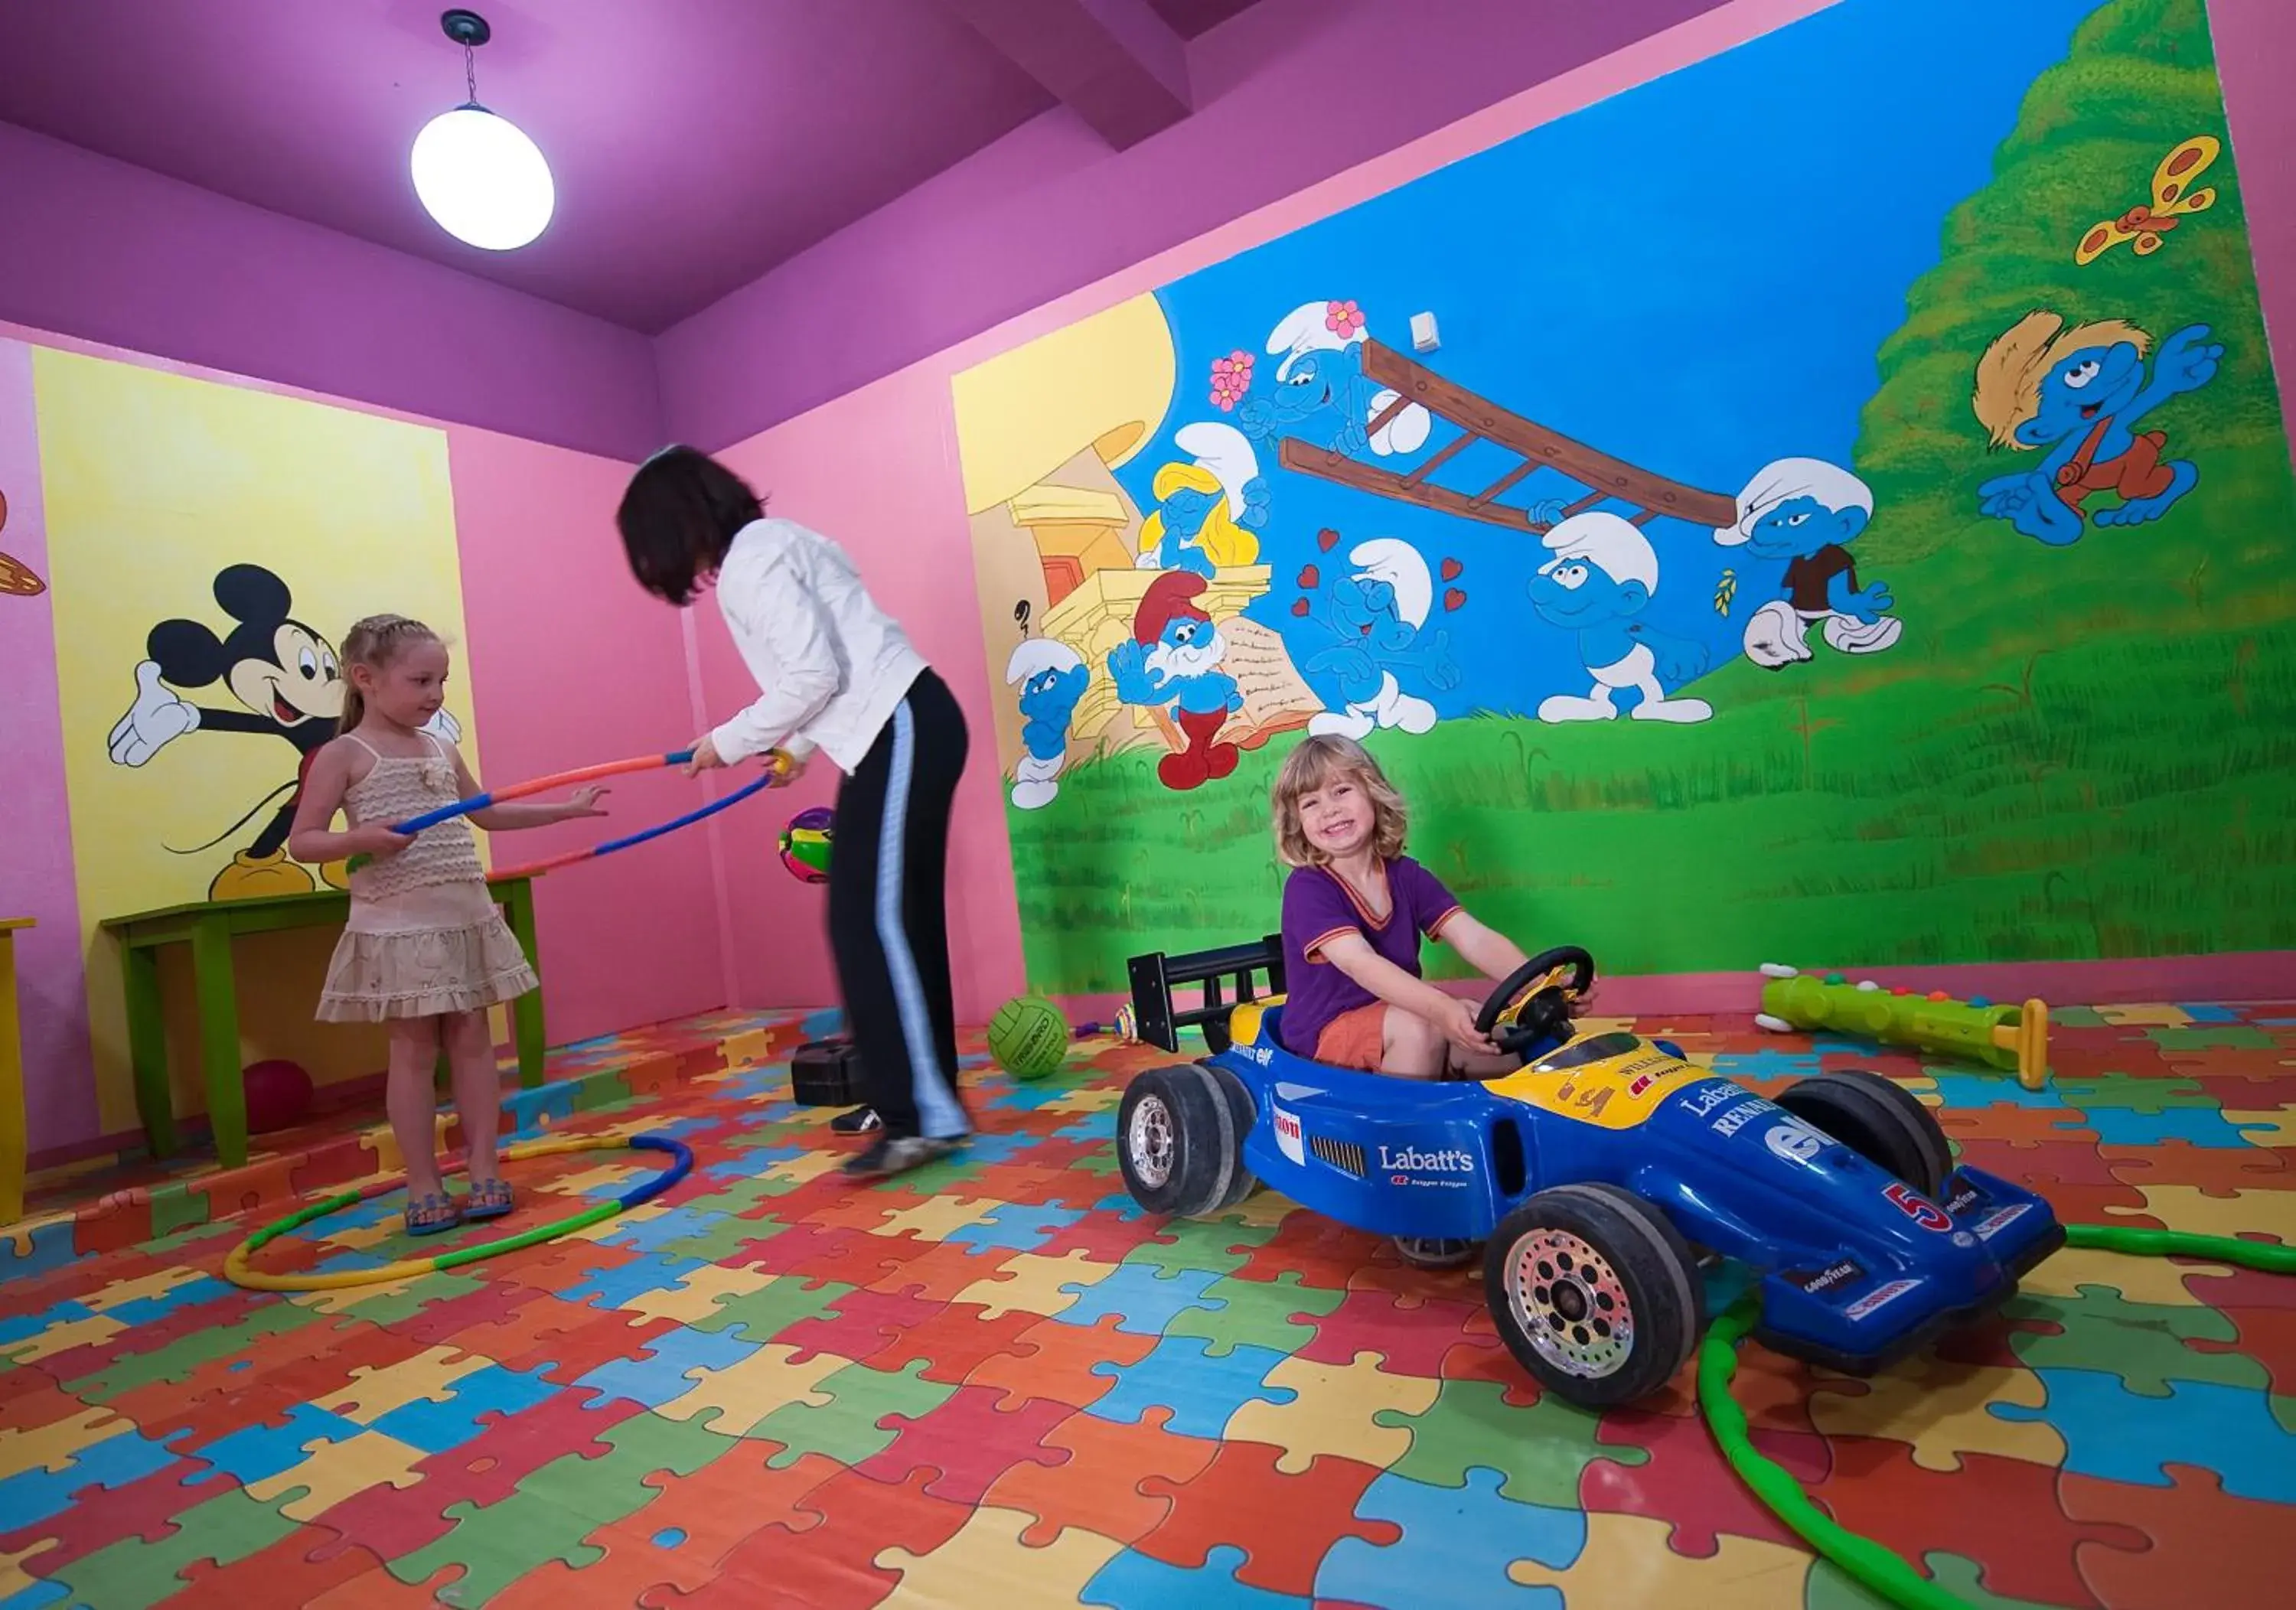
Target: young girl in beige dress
{"type": "Point", "coordinates": [426, 951]}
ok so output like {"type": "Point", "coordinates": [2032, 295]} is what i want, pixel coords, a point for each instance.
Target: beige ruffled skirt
{"type": "Point", "coordinates": [422, 953]}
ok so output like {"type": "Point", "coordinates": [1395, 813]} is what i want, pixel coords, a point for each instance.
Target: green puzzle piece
{"type": "Point", "coordinates": [2283, 1409]}
{"type": "Point", "coordinates": [174, 1362]}
{"type": "Point", "coordinates": [611, 1487]}
{"type": "Point", "coordinates": [229, 1231]}
{"type": "Point", "coordinates": [846, 1427]}
{"type": "Point", "coordinates": [1258, 1313]}
{"type": "Point", "coordinates": [499, 1544]}
{"type": "Point", "coordinates": [178, 1210]}
{"type": "Point", "coordinates": [2146, 1093]}
{"type": "Point", "coordinates": [131, 1573]}
{"type": "Point", "coordinates": [389, 1307]}
{"type": "Point", "coordinates": [2144, 1343]}
{"type": "Point", "coordinates": [1543, 1450]}
{"type": "Point", "coordinates": [2212, 1037]}
{"type": "Point", "coordinates": [722, 1242]}
{"type": "Point", "coordinates": [1203, 1244]}
{"type": "Point", "coordinates": [761, 1315]}
{"type": "Point", "coordinates": [1829, 1588]}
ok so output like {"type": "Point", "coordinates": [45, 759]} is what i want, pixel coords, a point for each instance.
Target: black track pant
{"type": "Point", "coordinates": [888, 912]}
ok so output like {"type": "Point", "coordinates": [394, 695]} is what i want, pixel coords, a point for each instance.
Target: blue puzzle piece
{"type": "Point", "coordinates": [1202, 1392]}
{"type": "Point", "coordinates": [652, 1235]}
{"type": "Point", "coordinates": [1026, 1097]}
{"type": "Point", "coordinates": [34, 1494]}
{"type": "Point", "coordinates": [613, 1287]}
{"type": "Point", "coordinates": [1456, 1546]}
{"type": "Point", "coordinates": [527, 1109]}
{"type": "Point", "coordinates": [1091, 1126]}
{"type": "Point", "coordinates": [16, 1327]}
{"type": "Point", "coordinates": [1960, 1089]}
{"type": "Point", "coordinates": [1121, 1206]}
{"type": "Point", "coordinates": [49, 1248]}
{"type": "Point", "coordinates": [435, 1427]}
{"type": "Point", "coordinates": [822, 1024]}
{"type": "Point", "coordinates": [1134, 1581]}
{"type": "Point", "coordinates": [1014, 1228]}
{"type": "Point", "coordinates": [2117, 1435]}
{"type": "Point", "coordinates": [1143, 1300]}
{"type": "Point", "coordinates": [2203, 1012]}
{"type": "Point", "coordinates": [2203, 1126]}
{"type": "Point", "coordinates": [254, 1452]}
{"type": "Point", "coordinates": [655, 1380]}
{"type": "Point", "coordinates": [38, 1593]}
{"type": "Point", "coordinates": [1769, 1064]}
{"type": "Point", "coordinates": [999, 1148]}
{"type": "Point", "coordinates": [144, 1310]}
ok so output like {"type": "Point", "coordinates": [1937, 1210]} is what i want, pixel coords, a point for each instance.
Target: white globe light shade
{"type": "Point", "coordinates": [482, 179]}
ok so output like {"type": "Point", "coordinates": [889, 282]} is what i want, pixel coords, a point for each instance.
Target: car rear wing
{"type": "Point", "coordinates": [1156, 975]}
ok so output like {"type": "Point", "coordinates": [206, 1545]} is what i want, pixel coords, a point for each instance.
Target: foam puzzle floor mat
{"type": "Point", "coordinates": [994, 1382]}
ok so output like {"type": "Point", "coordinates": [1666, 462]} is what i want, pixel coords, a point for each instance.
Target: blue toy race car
{"type": "Point", "coordinates": [1588, 1176]}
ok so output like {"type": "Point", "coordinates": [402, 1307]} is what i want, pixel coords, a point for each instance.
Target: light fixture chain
{"type": "Point", "coordinates": [470, 72]}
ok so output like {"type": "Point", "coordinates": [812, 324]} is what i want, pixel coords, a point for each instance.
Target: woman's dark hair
{"type": "Point", "coordinates": [679, 518]}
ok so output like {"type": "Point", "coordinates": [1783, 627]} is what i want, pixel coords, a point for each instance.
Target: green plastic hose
{"type": "Point", "coordinates": [1879, 1568]}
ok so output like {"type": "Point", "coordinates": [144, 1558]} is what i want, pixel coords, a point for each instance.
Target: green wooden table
{"type": "Point", "coordinates": [208, 926]}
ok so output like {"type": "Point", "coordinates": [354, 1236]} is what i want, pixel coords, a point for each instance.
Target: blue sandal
{"type": "Point", "coordinates": [430, 1215]}
{"type": "Point", "coordinates": [488, 1199]}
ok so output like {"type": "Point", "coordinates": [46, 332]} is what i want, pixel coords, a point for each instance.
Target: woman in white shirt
{"type": "Point", "coordinates": [836, 673]}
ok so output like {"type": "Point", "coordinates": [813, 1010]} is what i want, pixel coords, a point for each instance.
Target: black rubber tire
{"type": "Point", "coordinates": [1415, 1251]}
{"type": "Point", "coordinates": [1242, 1114]}
{"type": "Point", "coordinates": [1185, 1170]}
{"type": "Point", "coordinates": [1880, 1120]}
{"type": "Point", "coordinates": [1640, 1254]}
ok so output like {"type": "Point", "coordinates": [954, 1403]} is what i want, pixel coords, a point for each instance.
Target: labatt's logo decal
{"type": "Point", "coordinates": [1411, 1160]}
{"type": "Point", "coordinates": [1288, 1136]}
{"type": "Point", "coordinates": [1916, 1206]}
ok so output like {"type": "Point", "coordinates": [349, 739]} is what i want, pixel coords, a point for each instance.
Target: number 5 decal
{"type": "Point", "coordinates": [1917, 1207]}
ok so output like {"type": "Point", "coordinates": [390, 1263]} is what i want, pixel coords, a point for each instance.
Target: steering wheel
{"type": "Point", "coordinates": [1532, 1005]}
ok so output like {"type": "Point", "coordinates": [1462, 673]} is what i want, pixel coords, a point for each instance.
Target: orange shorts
{"type": "Point", "coordinates": [1356, 1039]}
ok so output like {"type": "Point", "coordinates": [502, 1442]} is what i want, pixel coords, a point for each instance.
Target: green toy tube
{"type": "Point", "coordinates": [2013, 1038]}
{"type": "Point", "coordinates": [1873, 1565]}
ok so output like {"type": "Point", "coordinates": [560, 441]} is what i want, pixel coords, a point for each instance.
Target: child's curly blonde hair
{"type": "Point", "coordinates": [1316, 764]}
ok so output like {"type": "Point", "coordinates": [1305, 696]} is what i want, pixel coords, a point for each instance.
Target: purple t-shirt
{"type": "Point", "coordinates": [1318, 906]}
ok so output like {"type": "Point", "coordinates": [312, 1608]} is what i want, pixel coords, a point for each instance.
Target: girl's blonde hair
{"type": "Point", "coordinates": [375, 643]}
{"type": "Point", "coordinates": [1318, 764]}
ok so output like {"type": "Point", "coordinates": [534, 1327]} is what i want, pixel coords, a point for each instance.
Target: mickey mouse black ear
{"type": "Point", "coordinates": [249, 593]}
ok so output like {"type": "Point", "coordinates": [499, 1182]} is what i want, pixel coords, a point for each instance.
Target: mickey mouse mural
{"type": "Point", "coordinates": [287, 683]}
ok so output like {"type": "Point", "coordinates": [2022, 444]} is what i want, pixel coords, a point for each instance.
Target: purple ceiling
{"type": "Point", "coordinates": [696, 144]}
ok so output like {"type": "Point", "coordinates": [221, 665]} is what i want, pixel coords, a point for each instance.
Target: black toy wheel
{"type": "Point", "coordinates": [1880, 1120]}
{"type": "Point", "coordinates": [1427, 1252]}
{"type": "Point", "coordinates": [1175, 1141]}
{"type": "Point", "coordinates": [1243, 1116]}
{"type": "Point", "coordinates": [1594, 1293]}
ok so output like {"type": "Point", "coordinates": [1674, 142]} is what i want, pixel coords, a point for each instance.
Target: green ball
{"type": "Point", "coordinates": [1028, 1037]}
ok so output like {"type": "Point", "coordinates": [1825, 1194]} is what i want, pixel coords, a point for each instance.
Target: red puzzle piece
{"type": "Point", "coordinates": [970, 1441]}
{"type": "Point", "coordinates": [2208, 1547]}
{"type": "Point", "coordinates": [732, 1496]}
{"type": "Point", "coordinates": [285, 1575]}
{"type": "Point", "coordinates": [1686, 1482]}
{"type": "Point", "coordinates": [1234, 1501]}
{"type": "Point", "coordinates": [2001, 1512]}
{"type": "Point", "coordinates": [1050, 1360]}
{"type": "Point", "coordinates": [2217, 1169]}
{"type": "Point", "coordinates": [833, 1564]}
{"type": "Point", "coordinates": [865, 1320]}
{"type": "Point", "coordinates": [956, 1342]}
{"type": "Point", "coordinates": [1100, 1486]}
{"type": "Point", "coordinates": [1413, 1341]}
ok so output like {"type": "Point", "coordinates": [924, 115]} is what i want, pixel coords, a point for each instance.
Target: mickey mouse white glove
{"type": "Point", "coordinates": [156, 719]}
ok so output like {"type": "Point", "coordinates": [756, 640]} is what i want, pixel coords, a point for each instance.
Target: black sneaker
{"type": "Point", "coordinates": [860, 1120]}
{"type": "Point", "coordinates": [898, 1154]}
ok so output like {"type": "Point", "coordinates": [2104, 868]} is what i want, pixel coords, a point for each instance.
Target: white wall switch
{"type": "Point", "coordinates": [1423, 338]}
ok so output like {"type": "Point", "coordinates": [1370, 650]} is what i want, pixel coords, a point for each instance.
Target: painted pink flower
{"type": "Point", "coordinates": [1343, 319]}
{"type": "Point", "coordinates": [1230, 378]}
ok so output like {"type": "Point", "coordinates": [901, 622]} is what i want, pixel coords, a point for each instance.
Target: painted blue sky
{"type": "Point", "coordinates": [1693, 276]}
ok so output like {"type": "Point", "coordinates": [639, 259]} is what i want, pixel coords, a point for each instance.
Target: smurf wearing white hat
{"type": "Point", "coordinates": [1208, 510]}
{"type": "Point", "coordinates": [1602, 577]}
{"type": "Point", "coordinates": [1052, 678]}
{"type": "Point", "coordinates": [1377, 614]}
{"type": "Point", "coordinates": [1322, 369]}
{"type": "Point", "coordinates": [1806, 511]}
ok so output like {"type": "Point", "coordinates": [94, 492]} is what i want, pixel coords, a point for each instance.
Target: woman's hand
{"type": "Point", "coordinates": [787, 767]}
{"type": "Point", "coordinates": [705, 758]}
{"type": "Point", "coordinates": [584, 801]}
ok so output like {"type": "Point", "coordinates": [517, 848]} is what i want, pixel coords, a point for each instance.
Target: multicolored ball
{"type": "Point", "coordinates": [805, 844]}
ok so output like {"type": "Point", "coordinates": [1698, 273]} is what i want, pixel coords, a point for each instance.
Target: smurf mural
{"type": "Point", "coordinates": [1782, 544]}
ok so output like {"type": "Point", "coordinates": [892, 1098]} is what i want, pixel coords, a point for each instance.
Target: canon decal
{"type": "Point", "coordinates": [1290, 1137]}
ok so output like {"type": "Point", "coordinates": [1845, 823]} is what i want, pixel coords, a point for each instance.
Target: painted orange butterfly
{"type": "Point", "coordinates": [2173, 199]}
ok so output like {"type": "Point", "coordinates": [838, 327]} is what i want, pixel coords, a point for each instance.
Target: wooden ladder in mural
{"type": "Point", "coordinates": [1480, 419]}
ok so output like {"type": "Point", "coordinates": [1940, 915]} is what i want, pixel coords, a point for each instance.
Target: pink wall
{"type": "Point", "coordinates": [875, 467]}
{"type": "Point", "coordinates": [573, 664]}
{"type": "Point", "coordinates": [35, 874]}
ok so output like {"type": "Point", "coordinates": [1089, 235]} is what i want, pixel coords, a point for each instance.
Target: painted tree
{"type": "Point", "coordinates": [2140, 79]}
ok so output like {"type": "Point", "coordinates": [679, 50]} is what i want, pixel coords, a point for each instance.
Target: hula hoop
{"type": "Point", "coordinates": [780, 764]}
{"type": "Point", "coordinates": [236, 1266]}
{"type": "Point", "coordinates": [1875, 1564]}
{"type": "Point", "coordinates": [536, 868]}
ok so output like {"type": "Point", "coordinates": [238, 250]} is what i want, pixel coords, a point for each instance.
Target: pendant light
{"type": "Point", "coordinates": [476, 172]}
